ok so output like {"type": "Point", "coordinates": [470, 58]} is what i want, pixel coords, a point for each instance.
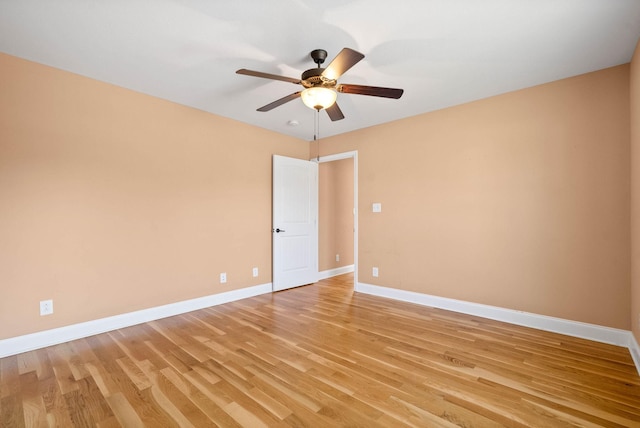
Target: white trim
{"type": "Point", "coordinates": [335, 272]}
{"type": "Point", "coordinates": [29, 342]}
{"type": "Point", "coordinates": [339, 156]}
{"type": "Point", "coordinates": [634, 349]}
{"type": "Point", "coordinates": [594, 332]}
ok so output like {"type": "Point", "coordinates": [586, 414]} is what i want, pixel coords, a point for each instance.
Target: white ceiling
{"type": "Point", "coordinates": [441, 52]}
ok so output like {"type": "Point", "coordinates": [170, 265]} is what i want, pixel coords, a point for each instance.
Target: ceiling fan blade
{"type": "Point", "coordinates": [346, 59]}
{"type": "Point", "coordinates": [375, 91]}
{"type": "Point", "coordinates": [335, 113]}
{"type": "Point", "coordinates": [267, 75]}
{"type": "Point", "coordinates": [281, 101]}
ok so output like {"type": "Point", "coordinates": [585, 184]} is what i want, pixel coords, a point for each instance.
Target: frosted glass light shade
{"type": "Point", "coordinates": [319, 98]}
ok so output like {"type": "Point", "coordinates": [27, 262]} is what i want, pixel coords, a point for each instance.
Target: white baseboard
{"type": "Point", "coordinates": [29, 342]}
{"type": "Point", "coordinates": [334, 272]}
{"type": "Point", "coordinates": [612, 336]}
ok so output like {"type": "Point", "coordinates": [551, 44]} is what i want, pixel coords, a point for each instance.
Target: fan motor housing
{"type": "Point", "coordinates": [313, 78]}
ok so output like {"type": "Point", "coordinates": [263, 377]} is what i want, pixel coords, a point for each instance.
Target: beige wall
{"type": "Point", "coordinates": [335, 231]}
{"type": "Point", "coordinates": [519, 201]}
{"type": "Point", "coordinates": [113, 201]}
{"type": "Point", "coordinates": [635, 196]}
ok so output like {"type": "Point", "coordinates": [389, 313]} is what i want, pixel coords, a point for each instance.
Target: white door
{"type": "Point", "coordinates": [295, 222]}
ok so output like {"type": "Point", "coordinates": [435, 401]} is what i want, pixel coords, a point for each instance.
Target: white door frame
{"type": "Point", "coordinates": [349, 155]}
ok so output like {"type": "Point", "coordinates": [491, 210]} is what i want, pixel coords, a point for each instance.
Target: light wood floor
{"type": "Point", "coordinates": [322, 356]}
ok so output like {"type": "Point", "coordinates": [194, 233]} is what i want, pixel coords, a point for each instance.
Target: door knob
{"type": "Point", "coordinates": [278, 230]}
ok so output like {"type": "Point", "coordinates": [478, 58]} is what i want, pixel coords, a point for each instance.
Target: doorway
{"type": "Point", "coordinates": [338, 215]}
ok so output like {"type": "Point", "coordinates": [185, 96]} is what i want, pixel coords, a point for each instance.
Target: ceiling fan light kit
{"type": "Point", "coordinates": [321, 84]}
{"type": "Point", "coordinates": [319, 98]}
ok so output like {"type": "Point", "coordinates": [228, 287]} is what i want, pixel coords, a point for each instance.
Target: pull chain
{"type": "Point", "coordinates": [316, 132]}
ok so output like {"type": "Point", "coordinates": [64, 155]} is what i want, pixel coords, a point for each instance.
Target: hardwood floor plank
{"type": "Point", "coordinates": [123, 412]}
{"type": "Point", "coordinates": [35, 413]}
{"type": "Point", "coordinates": [173, 402]}
{"type": "Point", "coordinates": [276, 408]}
{"type": "Point", "coordinates": [11, 412]}
{"type": "Point", "coordinates": [27, 362]}
{"type": "Point", "coordinates": [9, 376]}
{"type": "Point", "coordinates": [288, 394]}
{"type": "Point", "coordinates": [113, 380]}
{"type": "Point", "coordinates": [58, 413]}
{"type": "Point", "coordinates": [196, 396]}
{"type": "Point", "coordinates": [86, 405]}
{"type": "Point", "coordinates": [134, 373]}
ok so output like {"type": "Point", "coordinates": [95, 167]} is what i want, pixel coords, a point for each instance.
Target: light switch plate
{"type": "Point", "coordinates": [377, 207]}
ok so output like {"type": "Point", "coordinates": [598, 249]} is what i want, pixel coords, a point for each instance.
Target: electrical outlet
{"type": "Point", "coordinates": [223, 277]}
{"type": "Point", "coordinates": [46, 307]}
{"type": "Point", "coordinates": [255, 272]}
{"type": "Point", "coordinates": [337, 257]}
{"type": "Point", "coordinates": [375, 272]}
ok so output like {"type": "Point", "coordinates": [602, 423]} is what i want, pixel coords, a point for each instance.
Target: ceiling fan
{"type": "Point", "coordinates": [321, 84]}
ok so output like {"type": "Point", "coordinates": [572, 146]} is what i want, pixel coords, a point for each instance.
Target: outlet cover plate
{"type": "Point", "coordinates": [46, 307]}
